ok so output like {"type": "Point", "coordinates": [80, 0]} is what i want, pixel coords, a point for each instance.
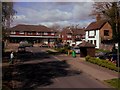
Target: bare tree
{"type": "Point", "coordinates": [111, 12]}
{"type": "Point", "coordinates": [7, 18]}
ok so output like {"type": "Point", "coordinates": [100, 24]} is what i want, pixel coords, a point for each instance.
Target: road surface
{"type": "Point", "coordinates": [40, 70]}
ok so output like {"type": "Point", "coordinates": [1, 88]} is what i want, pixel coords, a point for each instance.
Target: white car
{"type": "Point", "coordinates": [76, 49]}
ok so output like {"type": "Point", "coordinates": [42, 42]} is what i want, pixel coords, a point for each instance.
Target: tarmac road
{"type": "Point", "coordinates": [41, 70]}
{"type": "Point", "coordinates": [67, 77]}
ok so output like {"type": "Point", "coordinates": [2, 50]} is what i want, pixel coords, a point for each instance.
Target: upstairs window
{"type": "Point", "coordinates": [21, 32]}
{"type": "Point", "coordinates": [38, 33]}
{"type": "Point", "coordinates": [69, 36]}
{"type": "Point", "coordinates": [13, 32]}
{"type": "Point", "coordinates": [106, 32]}
{"type": "Point", "coordinates": [92, 34]}
{"type": "Point", "coordinates": [29, 33]}
{"type": "Point", "coordinates": [45, 33]}
{"type": "Point", "coordinates": [52, 34]}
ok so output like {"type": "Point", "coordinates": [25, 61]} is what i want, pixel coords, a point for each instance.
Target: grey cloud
{"type": "Point", "coordinates": [64, 13]}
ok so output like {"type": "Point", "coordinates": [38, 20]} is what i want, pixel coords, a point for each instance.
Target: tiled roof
{"type": "Point", "coordinates": [73, 31]}
{"type": "Point", "coordinates": [38, 28]}
{"type": "Point", "coordinates": [86, 44]}
{"type": "Point", "coordinates": [96, 25]}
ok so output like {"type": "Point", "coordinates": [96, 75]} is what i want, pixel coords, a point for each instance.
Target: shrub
{"type": "Point", "coordinates": [103, 63]}
{"type": "Point", "coordinates": [87, 58]}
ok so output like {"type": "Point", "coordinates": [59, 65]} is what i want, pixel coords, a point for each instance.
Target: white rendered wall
{"type": "Point", "coordinates": [97, 37]}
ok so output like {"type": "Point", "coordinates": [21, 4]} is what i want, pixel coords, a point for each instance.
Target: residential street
{"type": "Point", "coordinates": [45, 71]}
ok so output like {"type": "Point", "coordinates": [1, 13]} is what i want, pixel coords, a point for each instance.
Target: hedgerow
{"type": "Point", "coordinates": [102, 63]}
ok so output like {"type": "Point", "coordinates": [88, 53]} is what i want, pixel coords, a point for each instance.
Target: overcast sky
{"type": "Point", "coordinates": [50, 13]}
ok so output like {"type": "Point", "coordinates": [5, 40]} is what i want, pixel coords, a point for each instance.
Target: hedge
{"type": "Point", "coordinates": [103, 63]}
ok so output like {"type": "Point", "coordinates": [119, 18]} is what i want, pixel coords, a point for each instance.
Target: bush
{"type": "Point", "coordinates": [87, 58]}
{"type": "Point", "coordinates": [103, 63]}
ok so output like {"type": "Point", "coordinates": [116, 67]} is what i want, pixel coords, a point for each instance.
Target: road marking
{"type": "Point", "coordinates": [56, 58]}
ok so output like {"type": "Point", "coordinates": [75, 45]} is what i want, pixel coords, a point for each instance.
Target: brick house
{"type": "Point", "coordinates": [99, 32]}
{"type": "Point", "coordinates": [32, 33]}
{"type": "Point", "coordinates": [72, 35]}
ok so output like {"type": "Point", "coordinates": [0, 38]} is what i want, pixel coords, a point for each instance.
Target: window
{"type": "Point", "coordinates": [45, 33]}
{"type": "Point", "coordinates": [91, 41]}
{"type": "Point", "coordinates": [21, 32]}
{"type": "Point", "coordinates": [106, 32]}
{"type": "Point", "coordinates": [29, 33]}
{"type": "Point", "coordinates": [95, 32]}
{"type": "Point", "coordinates": [52, 34]}
{"type": "Point", "coordinates": [13, 32]}
{"type": "Point", "coordinates": [77, 36]}
{"type": "Point", "coordinates": [92, 34]}
{"type": "Point", "coordinates": [69, 36]}
{"type": "Point", "coordinates": [38, 33]}
{"type": "Point", "coordinates": [95, 42]}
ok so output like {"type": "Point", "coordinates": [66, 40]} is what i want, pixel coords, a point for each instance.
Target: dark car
{"type": "Point", "coordinates": [101, 55]}
{"type": "Point", "coordinates": [59, 45]}
{"type": "Point", "coordinates": [22, 53]}
{"type": "Point", "coordinates": [21, 49]}
{"type": "Point", "coordinates": [107, 55]}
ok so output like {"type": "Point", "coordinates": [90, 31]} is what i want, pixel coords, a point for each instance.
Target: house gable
{"type": "Point", "coordinates": [106, 31]}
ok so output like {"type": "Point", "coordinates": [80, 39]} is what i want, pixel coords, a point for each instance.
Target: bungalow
{"type": "Point", "coordinates": [98, 32]}
{"type": "Point", "coordinates": [32, 33]}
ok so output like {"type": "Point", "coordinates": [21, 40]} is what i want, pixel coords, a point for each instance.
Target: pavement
{"type": "Point", "coordinates": [97, 72]}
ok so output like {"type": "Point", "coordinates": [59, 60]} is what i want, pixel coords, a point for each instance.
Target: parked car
{"type": "Point", "coordinates": [108, 55]}
{"type": "Point", "coordinates": [44, 45]}
{"type": "Point", "coordinates": [22, 53]}
{"type": "Point", "coordinates": [76, 49]}
{"type": "Point", "coordinates": [59, 45]}
{"type": "Point", "coordinates": [25, 44]}
{"type": "Point", "coordinates": [21, 49]}
{"type": "Point", "coordinates": [100, 55]}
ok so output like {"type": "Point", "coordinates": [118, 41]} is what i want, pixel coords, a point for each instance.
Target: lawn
{"type": "Point", "coordinates": [114, 82]}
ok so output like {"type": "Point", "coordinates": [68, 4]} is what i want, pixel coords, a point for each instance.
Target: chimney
{"type": "Point", "coordinates": [98, 17]}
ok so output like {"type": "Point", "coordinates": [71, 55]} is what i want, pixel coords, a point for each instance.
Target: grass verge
{"type": "Point", "coordinates": [114, 83]}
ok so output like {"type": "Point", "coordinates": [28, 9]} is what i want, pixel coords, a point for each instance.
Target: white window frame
{"type": "Point", "coordinates": [37, 33]}
{"type": "Point", "coordinates": [12, 32]}
{"type": "Point", "coordinates": [30, 33]}
{"type": "Point", "coordinates": [21, 32]}
{"type": "Point", "coordinates": [69, 36]}
{"type": "Point", "coordinates": [45, 33]}
{"type": "Point", "coordinates": [52, 33]}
